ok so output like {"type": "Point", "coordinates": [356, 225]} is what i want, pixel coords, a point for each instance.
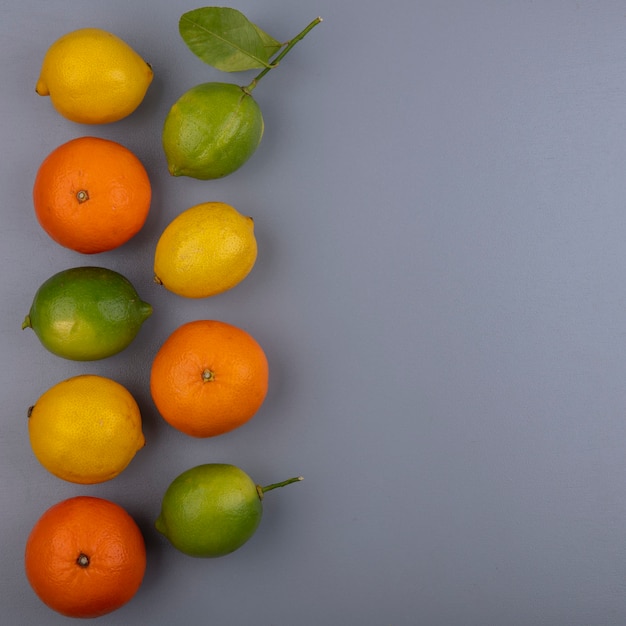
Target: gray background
{"type": "Point", "coordinates": [440, 206]}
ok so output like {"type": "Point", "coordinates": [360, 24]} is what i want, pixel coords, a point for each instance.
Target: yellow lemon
{"type": "Point", "coordinates": [206, 250]}
{"type": "Point", "coordinates": [93, 77]}
{"type": "Point", "coordinates": [85, 429]}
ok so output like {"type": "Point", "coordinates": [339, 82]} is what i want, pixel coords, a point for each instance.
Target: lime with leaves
{"type": "Point", "coordinates": [212, 510]}
{"type": "Point", "coordinates": [86, 313]}
{"type": "Point", "coordinates": [215, 127]}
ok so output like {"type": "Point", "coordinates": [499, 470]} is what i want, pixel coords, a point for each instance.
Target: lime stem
{"type": "Point", "coordinates": [262, 490]}
{"type": "Point", "coordinates": [277, 59]}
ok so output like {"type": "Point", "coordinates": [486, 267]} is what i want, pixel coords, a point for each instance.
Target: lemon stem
{"type": "Point", "coordinates": [262, 490]}
{"type": "Point", "coordinates": [277, 59]}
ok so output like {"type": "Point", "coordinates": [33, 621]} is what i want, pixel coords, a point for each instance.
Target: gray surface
{"type": "Point", "coordinates": [440, 205]}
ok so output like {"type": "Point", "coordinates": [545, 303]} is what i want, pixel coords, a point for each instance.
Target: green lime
{"type": "Point", "coordinates": [211, 131]}
{"type": "Point", "coordinates": [211, 510]}
{"type": "Point", "coordinates": [86, 313]}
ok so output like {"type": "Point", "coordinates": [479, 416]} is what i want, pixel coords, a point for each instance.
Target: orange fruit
{"type": "Point", "coordinates": [208, 378]}
{"type": "Point", "coordinates": [85, 557]}
{"type": "Point", "coordinates": [91, 195]}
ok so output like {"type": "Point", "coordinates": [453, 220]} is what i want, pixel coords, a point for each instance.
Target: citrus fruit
{"type": "Point", "coordinates": [93, 77]}
{"type": "Point", "coordinates": [85, 429]}
{"type": "Point", "coordinates": [206, 250]}
{"type": "Point", "coordinates": [85, 557]}
{"type": "Point", "coordinates": [86, 313]}
{"type": "Point", "coordinates": [91, 195]}
{"type": "Point", "coordinates": [208, 378]}
{"type": "Point", "coordinates": [211, 131]}
{"type": "Point", "coordinates": [213, 509]}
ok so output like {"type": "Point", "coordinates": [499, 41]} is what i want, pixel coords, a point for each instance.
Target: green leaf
{"type": "Point", "coordinates": [271, 45]}
{"type": "Point", "coordinates": [226, 39]}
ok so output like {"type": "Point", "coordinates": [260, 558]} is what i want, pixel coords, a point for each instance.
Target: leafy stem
{"type": "Point", "coordinates": [277, 59]}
